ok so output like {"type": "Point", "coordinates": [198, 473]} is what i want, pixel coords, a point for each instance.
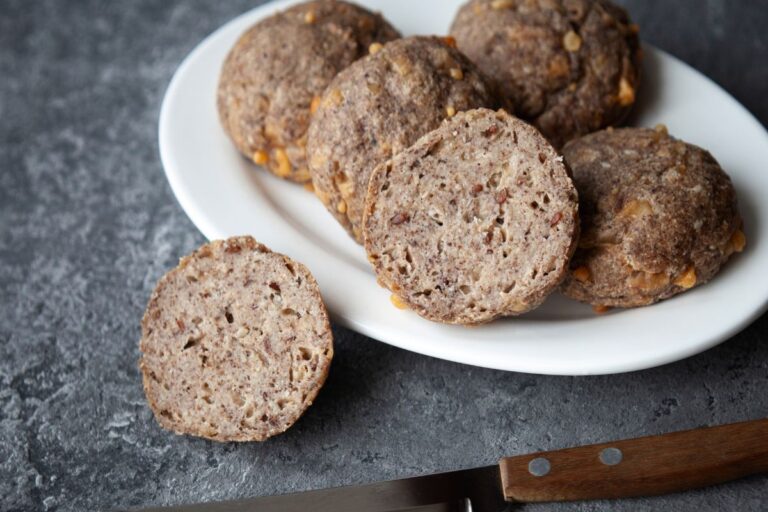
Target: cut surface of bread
{"type": "Point", "coordinates": [476, 220]}
{"type": "Point", "coordinates": [235, 343]}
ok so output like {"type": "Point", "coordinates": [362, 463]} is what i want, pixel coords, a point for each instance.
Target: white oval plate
{"type": "Point", "coordinates": [225, 195]}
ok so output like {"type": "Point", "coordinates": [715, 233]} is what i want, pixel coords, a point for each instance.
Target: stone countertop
{"type": "Point", "coordinates": [88, 224]}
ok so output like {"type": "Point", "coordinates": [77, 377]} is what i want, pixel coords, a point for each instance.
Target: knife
{"type": "Point", "coordinates": [635, 467]}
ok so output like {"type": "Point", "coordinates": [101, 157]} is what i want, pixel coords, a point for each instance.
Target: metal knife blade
{"type": "Point", "coordinates": [476, 490]}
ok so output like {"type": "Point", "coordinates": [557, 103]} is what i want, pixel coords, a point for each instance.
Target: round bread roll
{"type": "Point", "coordinates": [476, 220]}
{"type": "Point", "coordinates": [273, 76]}
{"type": "Point", "coordinates": [658, 217]}
{"type": "Point", "coordinates": [570, 66]}
{"type": "Point", "coordinates": [235, 343]}
{"type": "Point", "coordinates": [378, 107]}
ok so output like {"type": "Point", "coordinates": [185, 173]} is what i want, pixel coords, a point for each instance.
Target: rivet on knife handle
{"type": "Point", "coordinates": [639, 467]}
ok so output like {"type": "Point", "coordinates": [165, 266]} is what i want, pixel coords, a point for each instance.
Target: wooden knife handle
{"type": "Point", "coordinates": [639, 467]}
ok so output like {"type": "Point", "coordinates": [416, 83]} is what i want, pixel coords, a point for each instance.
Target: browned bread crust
{"type": "Point", "coordinates": [569, 66]}
{"type": "Point", "coordinates": [235, 343]}
{"type": "Point", "coordinates": [659, 217]}
{"type": "Point", "coordinates": [477, 220]}
{"type": "Point", "coordinates": [273, 76]}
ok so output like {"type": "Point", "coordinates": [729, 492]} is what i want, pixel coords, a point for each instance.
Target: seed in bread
{"type": "Point", "coordinates": [378, 107]}
{"type": "Point", "coordinates": [658, 217]}
{"type": "Point", "coordinates": [277, 70]}
{"type": "Point", "coordinates": [570, 66]}
{"type": "Point", "coordinates": [476, 220]}
{"type": "Point", "coordinates": [235, 343]}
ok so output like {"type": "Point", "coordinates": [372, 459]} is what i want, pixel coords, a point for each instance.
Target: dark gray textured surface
{"type": "Point", "coordinates": [88, 223]}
